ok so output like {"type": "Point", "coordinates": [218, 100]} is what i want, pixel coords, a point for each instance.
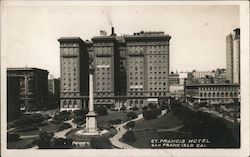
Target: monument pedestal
{"type": "Point", "coordinates": [91, 124]}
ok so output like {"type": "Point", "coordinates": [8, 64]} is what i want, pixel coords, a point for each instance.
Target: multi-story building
{"type": "Point", "coordinates": [74, 61]}
{"type": "Point", "coordinates": [147, 68]}
{"type": "Point", "coordinates": [54, 92]}
{"type": "Point", "coordinates": [13, 98]}
{"type": "Point", "coordinates": [213, 93]}
{"type": "Point", "coordinates": [183, 76]}
{"type": "Point", "coordinates": [233, 56]}
{"type": "Point", "coordinates": [130, 70]}
{"type": "Point", "coordinates": [202, 74]}
{"type": "Point", "coordinates": [174, 78]}
{"type": "Point", "coordinates": [33, 87]}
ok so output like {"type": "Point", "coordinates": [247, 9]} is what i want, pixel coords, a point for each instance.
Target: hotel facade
{"type": "Point", "coordinates": [130, 70]}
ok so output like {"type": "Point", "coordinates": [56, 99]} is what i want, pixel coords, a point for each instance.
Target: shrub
{"type": "Point", "coordinates": [116, 121]}
{"type": "Point", "coordinates": [132, 115]}
{"type": "Point", "coordinates": [62, 116]}
{"type": "Point", "coordinates": [101, 143]}
{"type": "Point", "coordinates": [123, 108]}
{"type": "Point", "coordinates": [144, 108]}
{"type": "Point", "coordinates": [135, 108]}
{"type": "Point", "coordinates": [61, 143]}
{"type": "Point", "coordinates": [46, 116]}
{"type": "Point", "coordinates": [13, 137]}
{"type": "Point", "coordinates": [44, 141]}
{"type": "Point", "coordinates": [79, 120]}
{"type": "Point", "coordinates": [101, 110]}
{"type": "Point", "coordinates": [130, 124]}
{"type": "Point", "coordinates": [80, 113]}
{"type": "Point", "coordinates": [64, 126]}
{"type": "Point", "coordinates": [152, 106]}
{"type": "Point", "coordinates": [27, 120]}
{"type": "Point", "coordinates": [129, 136]}
{"type": "Point", "coordinates": [151, 114]}
{"type": "Point", "coordinates": [164, 107]}
{"type": "Point", "coordinates": [157, 111]}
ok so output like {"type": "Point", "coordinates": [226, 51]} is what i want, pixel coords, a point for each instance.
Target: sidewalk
{"type": "Point", "coordinates": [115, 139]}
{"type": "Point", "coordinates": [61, 134]}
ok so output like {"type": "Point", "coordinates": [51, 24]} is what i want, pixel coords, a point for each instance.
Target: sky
{"type": "Point", "coordinates": [198, 33]}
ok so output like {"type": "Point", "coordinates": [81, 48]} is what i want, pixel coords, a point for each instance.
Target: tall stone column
{"type": "Point", "coordinates": [91, 124]}
{"type": "Point", "coordinates": [91, 91]}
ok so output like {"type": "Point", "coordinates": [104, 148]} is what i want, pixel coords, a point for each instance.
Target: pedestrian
{"type": "Point", "coordinates": [119, 129]}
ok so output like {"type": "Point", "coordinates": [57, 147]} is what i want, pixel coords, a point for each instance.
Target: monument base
{"type": "Point", "coordinates": [91, 124]}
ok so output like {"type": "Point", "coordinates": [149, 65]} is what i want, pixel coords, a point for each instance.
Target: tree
{"type": "Point", "coordinates": [64, 126]}
{"type": "Point", "coordinates": [144, 108]}
{"type": "Point", "coordinates": [130, 124]}
{"type": "Point", "coordinates": [152, 106]}
{"type": "Point", "coordinates": [101, 142]}
{"type": "Point", "coordinates": [44, 141]}
{"type": "Point", "coordinates": [79, 120]}
{"type": "Point", "coordinates": [61, 116]}
{"type": "Point", "coordinates": [132, 115]}
{"type": "Point", "coordinates": [129, 136]}
{"type": "Point", "coordinates": [101, 111]}
{"type": "Point", "coordinates": [151, 114]}
{"type": "Point", "coordinates": [30, 120]}
{"type": "Point", "coordinates": [123, 108]}
{"type": "Point", "coordinates": [80, 113]}
{"type": "Point", "coordinates": [135, 108]}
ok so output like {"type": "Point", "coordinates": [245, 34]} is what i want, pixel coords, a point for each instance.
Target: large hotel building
{"type": "Point", "coordinates": [233, 56]}
{"type": "Point", "coordinates": [130, 70]}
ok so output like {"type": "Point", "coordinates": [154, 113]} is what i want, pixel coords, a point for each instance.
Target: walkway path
{"type": "Point", "coordinates": [61, 134]}
{"type": "Point", "coordinates": [29, 136]}
{"type": "Point", "coordinates": [171, 129]}
{"type": "Point", "coordinates": [121, 131]}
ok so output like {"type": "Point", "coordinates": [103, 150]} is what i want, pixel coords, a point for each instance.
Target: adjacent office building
{"type": "Point", "coordinates": [54, 91]}
{"type": "Point", "coordinates": [233, 56]}
{"type": "Point", "coordinates": [33, 87]}
{"type": "Point", "coordinates": [130, 70]}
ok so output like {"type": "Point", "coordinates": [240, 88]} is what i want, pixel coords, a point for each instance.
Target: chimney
{"type": "Point", "coordinates": [113, 31]}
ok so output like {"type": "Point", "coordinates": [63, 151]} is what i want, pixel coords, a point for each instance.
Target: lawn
{"type": "Point", "coordinates": [143, 138]}
{"type": "Point", "coordinates": [82, 138]}
{"type": "Point", "coordinates": [20, 144]}
{"type": "Point", "coordinates": [50, 127]}
{"type": "Point", "coordinates": [163, 122]}
{"type": "Point", "coordinates": [114, 115]}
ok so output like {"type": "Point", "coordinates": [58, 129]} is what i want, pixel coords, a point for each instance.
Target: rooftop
{"type": "Point", "coordinates": [212, 84]}
{"type": "Point", "coordinates": [26, 68]}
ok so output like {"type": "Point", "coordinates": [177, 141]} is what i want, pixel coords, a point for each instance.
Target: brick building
{"type": "Point", "coordinates": [33, 87]}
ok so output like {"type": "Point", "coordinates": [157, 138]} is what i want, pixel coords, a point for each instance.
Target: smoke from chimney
{"type": "Point", "coordinates": [109, 19]}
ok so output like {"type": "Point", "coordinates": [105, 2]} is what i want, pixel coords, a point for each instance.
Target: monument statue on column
{"type": "Point", "coordinates": [91, 124]}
